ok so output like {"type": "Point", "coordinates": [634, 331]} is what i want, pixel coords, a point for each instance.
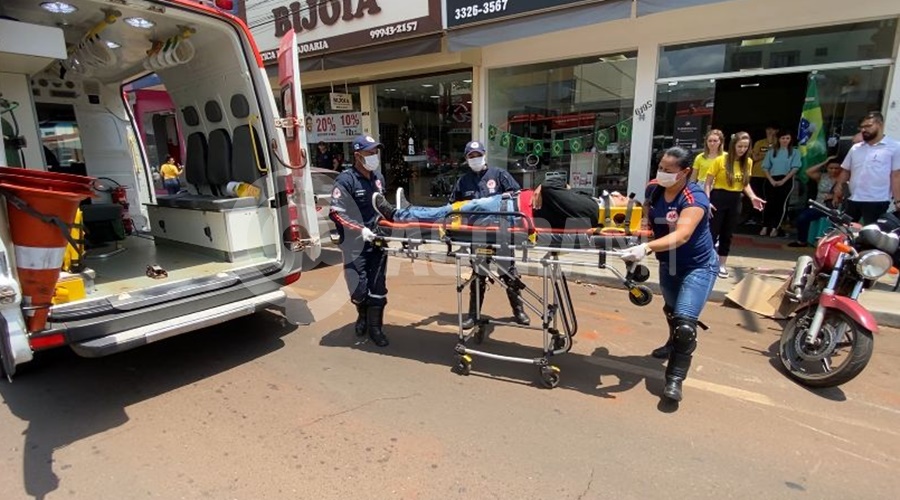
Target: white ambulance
{"type": "Point", "coordinates": [79, 83]}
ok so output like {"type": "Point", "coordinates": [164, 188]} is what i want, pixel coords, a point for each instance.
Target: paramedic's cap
{"type": "Point", "coordinates": [365, 143]}
{"type": "Point", "coordinates": [474, 146]}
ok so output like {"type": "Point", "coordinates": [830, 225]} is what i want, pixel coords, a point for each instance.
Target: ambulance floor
{"type": "Point", "coordinates": [127, 271]}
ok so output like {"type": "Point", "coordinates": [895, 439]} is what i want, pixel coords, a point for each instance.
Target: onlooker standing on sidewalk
{"type": "Point", "coordinates": [758, 178]}
{"type": "Point", "coordinates": [873, 169]}
{"type": "Point", "coordinates": [780, 166]}
{"type": "Point", "coordinates": [712, 149]}
{"type": "Point", "coordinates": [825, 184]}
{"type": "Point", "coordinates": [727, 178]}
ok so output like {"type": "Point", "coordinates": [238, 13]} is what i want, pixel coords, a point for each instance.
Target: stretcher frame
{"type": "Point", "coordinates": [491, 258]}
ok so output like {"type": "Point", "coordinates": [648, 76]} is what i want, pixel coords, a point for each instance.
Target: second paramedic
{"type": "Point", "coordinates": [482, 181]}
{"type": "Point", "coordinates": [365, 264]}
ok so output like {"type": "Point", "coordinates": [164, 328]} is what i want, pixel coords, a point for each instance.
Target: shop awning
{"type": "Point", "coordinates": [523, 27]}
{"type": "Point", "coordinates": [430, 44]}
{"type": "Point", "coordinates": [647, 7]}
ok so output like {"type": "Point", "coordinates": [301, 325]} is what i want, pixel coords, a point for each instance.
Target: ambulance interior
{"type": "Point", "coordinates": [65, 71]}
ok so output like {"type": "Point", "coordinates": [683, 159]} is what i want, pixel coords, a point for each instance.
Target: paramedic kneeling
{"type": "Point", "coordinates": [679, 217]}
{"type": "Point", "coordinates": [365, 264]}
{"type": "Point", "coordinates": [484, 181]}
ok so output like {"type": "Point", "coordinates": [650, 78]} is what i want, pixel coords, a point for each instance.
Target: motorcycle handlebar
{"type": "Point", "coordinates": [834, 215]}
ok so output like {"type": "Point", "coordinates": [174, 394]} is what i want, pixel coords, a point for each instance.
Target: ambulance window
{"type": "Point", "coordinates": [60, 137]}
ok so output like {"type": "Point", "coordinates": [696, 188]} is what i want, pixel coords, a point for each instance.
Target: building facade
{"type": "Point", "coordinates": [595, 89]}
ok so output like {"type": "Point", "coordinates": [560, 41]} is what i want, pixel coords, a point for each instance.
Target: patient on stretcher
{"type": "Point", "coordinates": [552, 205]}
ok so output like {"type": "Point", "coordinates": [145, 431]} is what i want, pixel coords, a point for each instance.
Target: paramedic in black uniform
{"type": "Point", "coordinates": [480, 182]}
{"type": "Point", "coordinates": [365, 264]}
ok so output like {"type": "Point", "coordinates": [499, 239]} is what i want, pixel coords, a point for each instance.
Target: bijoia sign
{"type": "Point", "coordinates": [324, 26]}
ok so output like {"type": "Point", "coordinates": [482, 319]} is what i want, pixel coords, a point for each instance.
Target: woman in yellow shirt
{"type": "Point", "coordinates": [170, 172]}
{"type": "Point", "coordinates": [712, 149]}
{"type": "Point", "coordinates": [727, 178]}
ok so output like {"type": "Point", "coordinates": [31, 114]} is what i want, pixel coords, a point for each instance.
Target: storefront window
{"type": "Point", "coordinates": [573, 117]}
{"type": "Point", "coordinates": [424, 124]}
{"type": "Point", "coordinates": [333, 128]}
{"type": "Point", "coordinates": [832, 44]}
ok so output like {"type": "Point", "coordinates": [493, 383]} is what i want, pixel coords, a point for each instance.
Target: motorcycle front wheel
{"type": "Point", "coordinates": [839, 352]}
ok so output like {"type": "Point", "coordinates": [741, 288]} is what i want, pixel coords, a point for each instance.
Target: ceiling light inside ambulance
{"type": "Point", "coordinates": [752, 42]}
{"type": "Point", "coordinates": [58, 7]}
{"type": "Point", "coordinates": [111, 44]}
{"type": "Point", "coordinates": [427, 85]}
{"type": "Point", "coordinates": [140, 22]}
{"type": "Point", "coordinates": [467, 81]}
{"type": "Point", "coordinates": [435, 97]}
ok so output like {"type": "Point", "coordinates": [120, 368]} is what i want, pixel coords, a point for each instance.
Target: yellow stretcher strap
{"type": "Point", "coordinates": [72, 257]}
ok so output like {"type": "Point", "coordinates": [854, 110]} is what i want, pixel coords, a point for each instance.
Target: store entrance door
{"type": "Point", "coordinates": [750, 104]}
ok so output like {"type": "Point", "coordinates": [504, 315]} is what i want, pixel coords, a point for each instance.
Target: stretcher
{"type": "Point", "coordinates": [489, 250]}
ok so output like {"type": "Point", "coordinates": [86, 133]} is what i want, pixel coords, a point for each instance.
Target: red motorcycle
{"type": "Point", "coordinates": [828, 341]}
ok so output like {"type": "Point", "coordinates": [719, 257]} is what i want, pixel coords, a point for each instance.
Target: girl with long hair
{"type": "Point", "coordinates": [780, 166]}
{"type": "Point", "coordinates": [712, 149]}
{"type": "Point", "coordinates": [727, 178]}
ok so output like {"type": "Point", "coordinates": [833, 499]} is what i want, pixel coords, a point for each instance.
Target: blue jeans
{"type": "Point", "coordinates": [435, 214]}
{"type": "Point", "coordinates": [172, 186]}
{"type": "Point", "coordinates": [687, 291]}
{"type": "Point", "coordinates": [804, 220]}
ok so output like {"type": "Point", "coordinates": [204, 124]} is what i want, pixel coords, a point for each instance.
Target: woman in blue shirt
{"type": "Point", "coordinates": [780, 166]}
{"type": "Point", "coordinates": [678, 211]}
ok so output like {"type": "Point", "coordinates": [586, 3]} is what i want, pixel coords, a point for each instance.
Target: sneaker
{"type": "Point", "coordinates": [798, 244]}
{"type": "Point", "coordinates": [402, 202]}
{"type": "Point", "coordinates": [774, 233]}
{"type": "Point", "coordinates": [723, 273]}
{"type": "Point", "coordinates": [383, 207]}
{"type": "Point", "coordinates": [764, 231]}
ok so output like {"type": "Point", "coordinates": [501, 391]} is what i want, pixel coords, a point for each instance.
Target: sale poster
{"type": "Point", "coordinates": [338, 127]}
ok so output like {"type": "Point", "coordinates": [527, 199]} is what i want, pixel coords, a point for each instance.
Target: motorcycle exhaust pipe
{"type": "Point", "coordinates": [802, 269]}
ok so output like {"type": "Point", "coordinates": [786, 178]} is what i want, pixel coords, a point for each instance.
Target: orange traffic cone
{"type": "Point", "coordinates": [58, 176]}
{"type": "Point", "coordinates": [40, 245]}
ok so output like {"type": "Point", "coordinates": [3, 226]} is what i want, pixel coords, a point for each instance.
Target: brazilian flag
{"type": "Point", "coordinates": [492, 133]}
{"type": "Point", "coordinates": [557, 148]}
{"type": "Point", "coordinates": [538, 148]}
{"type": "Point", "coordinates": [811, 136]}
{"type": "Point", "coordinates": [624, 129]}
{"type": "Point", "coordinates": [602, 139]}
{"type": "Point", "coordinates": [504, 139]}
{"type": "Point", "coordinates": [575, 145]}
{"type": "Point", "coordinates": [521, 145]}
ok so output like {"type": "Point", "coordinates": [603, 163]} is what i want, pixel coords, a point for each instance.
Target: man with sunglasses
{"type": "Point", "coordinates": [873, 169]}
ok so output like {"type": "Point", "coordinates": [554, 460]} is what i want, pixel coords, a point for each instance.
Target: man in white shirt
{"type": "Point", "coordinates": [873, 169]}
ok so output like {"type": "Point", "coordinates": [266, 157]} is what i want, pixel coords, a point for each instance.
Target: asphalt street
{"type": "Point", "coordinates": [261, 408]}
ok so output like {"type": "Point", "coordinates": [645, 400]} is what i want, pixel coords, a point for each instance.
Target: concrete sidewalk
{"type": "Point", "coordinates": [751, 255]}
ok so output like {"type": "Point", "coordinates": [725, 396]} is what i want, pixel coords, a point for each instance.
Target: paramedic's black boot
{"type": "Point", "coordinates": [474, 303]}
{"type": "Point", "coordinates": [515, 301]}
{"type": "Point", "coordinates": [676, 372]}
{"type": "Point", "coordinates": [383, 206]}
{"type": "Point", "coordinates": [360, 326]}
{"type": "Point", "coordinates": [663, 352]}
{"type": "Point", "coordinates": [375, 319]}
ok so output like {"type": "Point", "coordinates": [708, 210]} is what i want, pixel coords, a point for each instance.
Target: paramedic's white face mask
{"type": "Point", "coordinates": [665, 179]}
{"type": "Point", "coordinates": [372, 162]}
{"type": "Point", "coordinates": [477, 164]}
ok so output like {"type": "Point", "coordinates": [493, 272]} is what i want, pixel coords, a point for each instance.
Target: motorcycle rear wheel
{"type": "Point", "coordinates": [814, 365]}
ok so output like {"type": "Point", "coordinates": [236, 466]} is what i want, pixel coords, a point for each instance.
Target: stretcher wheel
{"type": "Point", "coordinates": [640, 273]}
{"type": "Point", "coordinates": [463, 365]}
{"type": "Point", "coordinates": [550, 376]}
{"type": "Point", "coordinates": [640, 295]}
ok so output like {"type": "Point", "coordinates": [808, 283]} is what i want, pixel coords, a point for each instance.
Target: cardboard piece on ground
{"type": "Point", "coordinates": [762, 295]}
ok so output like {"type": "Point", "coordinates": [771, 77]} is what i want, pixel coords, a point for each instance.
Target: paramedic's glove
{"type": "Point", "coordinates": [367, 235]}
{"type": "Point", "coordinates": [636, 253]}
